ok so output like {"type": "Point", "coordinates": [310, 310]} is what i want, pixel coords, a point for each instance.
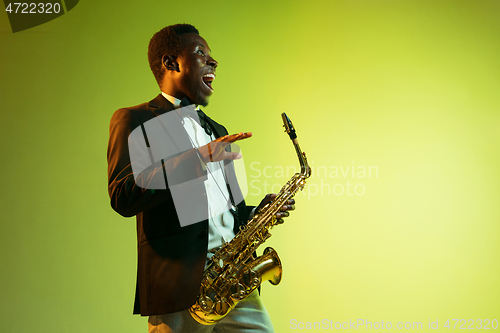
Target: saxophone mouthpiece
{"type": "Point", "coordinates": [288, 126]}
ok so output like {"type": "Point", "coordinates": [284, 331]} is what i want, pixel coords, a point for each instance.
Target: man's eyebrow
{"type": "Point", "coordinates": [204, 47]}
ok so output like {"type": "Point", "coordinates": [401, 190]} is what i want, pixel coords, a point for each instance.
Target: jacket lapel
{"type": "Point", "coordinates": [159, 105]}
{"type": "Point", "coordinates": [173, 127]}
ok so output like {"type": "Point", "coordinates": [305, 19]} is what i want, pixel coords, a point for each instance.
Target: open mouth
{"type": "Point", "coordinates": [207, 80]}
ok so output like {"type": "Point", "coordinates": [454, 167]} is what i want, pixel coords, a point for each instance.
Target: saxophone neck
{"type": "Point", "coordinates": [305, 170]}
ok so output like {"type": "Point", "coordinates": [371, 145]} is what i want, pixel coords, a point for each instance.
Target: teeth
{"type": "Point", "coordinates": [209, 75]}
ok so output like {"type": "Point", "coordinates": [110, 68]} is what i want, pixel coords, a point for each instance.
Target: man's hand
{"type": "Point", "coordinates": [215, 151]}
{"type": "Point", "coordinates": [284, 212]}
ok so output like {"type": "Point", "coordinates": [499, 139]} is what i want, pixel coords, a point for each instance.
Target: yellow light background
{"type": "Point", "coordinates": [408, 88]}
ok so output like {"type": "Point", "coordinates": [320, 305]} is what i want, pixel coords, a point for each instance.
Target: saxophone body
{"type": "Point", "coordinates": [233, 272]}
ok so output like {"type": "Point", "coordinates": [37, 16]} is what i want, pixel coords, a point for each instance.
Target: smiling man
{"type": "Point", "coordinates": [172, 257]}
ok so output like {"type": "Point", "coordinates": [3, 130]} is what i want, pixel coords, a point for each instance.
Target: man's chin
{"type": "Point", "coordinates": [199, 100]}
{"type": "Point", "coordinates": [203, 101]}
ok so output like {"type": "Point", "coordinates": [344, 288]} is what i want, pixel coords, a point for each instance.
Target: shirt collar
{"type": "Point", "coordinates": [175, 101]}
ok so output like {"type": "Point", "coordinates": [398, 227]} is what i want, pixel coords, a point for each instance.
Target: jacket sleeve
{"type": "Point", "coordinates": [132, 193]}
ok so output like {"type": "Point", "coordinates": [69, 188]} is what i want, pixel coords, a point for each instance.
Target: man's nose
{"type": "Point", "coordinates": [211, 62]}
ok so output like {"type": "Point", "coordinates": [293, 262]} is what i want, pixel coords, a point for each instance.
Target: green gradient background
{"type": "Point", "coordinates": [411, 87]}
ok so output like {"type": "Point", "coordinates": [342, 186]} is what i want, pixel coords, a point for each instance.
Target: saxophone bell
{"type": "Point", "coordinates": [268, 266]}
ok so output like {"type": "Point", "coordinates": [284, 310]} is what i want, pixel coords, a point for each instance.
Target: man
{"type": "Point", "coordinates": [171, 256]}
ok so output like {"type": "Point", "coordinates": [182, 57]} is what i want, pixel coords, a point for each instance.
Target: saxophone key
{"type": "Point", "coordinates": [238, 291]}
{"type": "Point", "coordinates": [221, 307]}
{"type": "Point", "coordinates": [205, 303]}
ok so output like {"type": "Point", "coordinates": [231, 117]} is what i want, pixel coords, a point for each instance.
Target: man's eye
{"type": "Point", "coordinates": [201, 52]}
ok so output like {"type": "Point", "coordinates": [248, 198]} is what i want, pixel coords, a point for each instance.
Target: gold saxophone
{"type": "Point", "coordinates": [233, 272]}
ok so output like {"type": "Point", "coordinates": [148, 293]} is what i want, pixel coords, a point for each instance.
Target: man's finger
{"type": "Point", "coordinates": [232, 156]}
{"type": "Point", "coordinates": [239, 136]}
{"type": "Point", "coordinates": [283, 214]}
{"type": "Point", "coordinates": [235, 137]}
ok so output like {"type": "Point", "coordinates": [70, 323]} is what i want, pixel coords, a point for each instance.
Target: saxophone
{"type": "Point", "coordinates": [233, 272]}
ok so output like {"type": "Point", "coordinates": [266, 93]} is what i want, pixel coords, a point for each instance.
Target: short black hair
{"type": "Point", "coordinates": [166, 41]}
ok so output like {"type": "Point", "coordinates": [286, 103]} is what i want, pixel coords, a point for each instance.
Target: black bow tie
{"type": "Point", "coordinates": [201, 116]}
{"type": "Point", "coordinates": [204, 123]}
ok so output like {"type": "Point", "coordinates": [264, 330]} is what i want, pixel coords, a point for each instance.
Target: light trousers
{"type": "Point", "coordinates": [249, 315]}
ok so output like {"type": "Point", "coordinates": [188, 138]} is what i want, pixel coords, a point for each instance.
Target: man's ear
{"type": "Point", "coordinates": [170, 62]}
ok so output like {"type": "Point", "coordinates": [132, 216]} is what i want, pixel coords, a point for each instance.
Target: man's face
{"type": "Point", "coordinates": [196, 70]}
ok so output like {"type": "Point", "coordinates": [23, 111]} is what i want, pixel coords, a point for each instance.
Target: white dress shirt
{"type": "Point", "coordinates": [220, 219]}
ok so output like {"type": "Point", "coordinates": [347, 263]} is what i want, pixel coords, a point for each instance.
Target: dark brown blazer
{"type": "Point", "coordinates": [171, 258]}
